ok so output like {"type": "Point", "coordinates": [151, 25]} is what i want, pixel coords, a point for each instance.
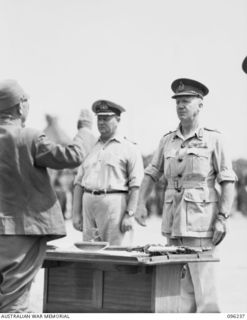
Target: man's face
{"type": "Point", "coordinates": [188, 107]}
{"type": "Point", "coordinates": [107, 124]}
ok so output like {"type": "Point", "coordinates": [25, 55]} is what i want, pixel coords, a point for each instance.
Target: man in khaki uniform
{"type": "Point", "coordinates": [30, 214]}
{"type": "Point", "coordinates": [111, 177]}
{"type": "Point", "coordinates": [192, 158]}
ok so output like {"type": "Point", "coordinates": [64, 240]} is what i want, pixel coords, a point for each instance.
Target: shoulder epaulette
{"type": "Point", "coordinates": [130, 140]}
{"type": "Point", "coordinates": [214, 130]}
{"type": "Point", "coordinates": [168, 133]}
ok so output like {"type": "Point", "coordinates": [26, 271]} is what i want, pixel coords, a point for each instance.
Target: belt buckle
{"type": "Point", "coordinates": [98, 192]}
{"type": "Point", "coordinates": [177, 187]}
{"type": "Point", "coordinates": [95, 192]}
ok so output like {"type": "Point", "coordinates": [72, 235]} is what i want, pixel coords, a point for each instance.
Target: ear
{"type": "Point", "coordinates": [200, 105]}
{"type": "Point", "coordinates": [23, 109]}
{"type": "Point", "coordinates": [20, 109]}
{"type": "Point", "coordinates": [118, 118]}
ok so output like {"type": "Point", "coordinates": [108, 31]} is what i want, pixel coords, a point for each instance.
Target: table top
{"type": "Point", "coordinates": [123, 256]}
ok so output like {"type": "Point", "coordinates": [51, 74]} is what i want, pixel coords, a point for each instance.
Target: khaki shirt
{"type": "Point", "coordinates": [116, 164]}
{"type": "Point", "coordinates": [191, 166]}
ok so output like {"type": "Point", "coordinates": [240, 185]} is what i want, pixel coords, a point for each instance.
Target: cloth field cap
{"type": "Point", "coordinates": [244, 65]}
{"type": "Point", "coordinates": [188, 87]}
{"type": "Point", "coordinates": [11, 94]}
{"type": "Point", "coordinates": [106, 107]}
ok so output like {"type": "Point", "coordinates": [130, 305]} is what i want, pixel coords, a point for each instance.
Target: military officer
{"type": "Point", "coordinates": [111, 177]}
{"type": "Point", "coordinates": [192, 158]}
{"type": "Point", "coordinates": [30, 214]}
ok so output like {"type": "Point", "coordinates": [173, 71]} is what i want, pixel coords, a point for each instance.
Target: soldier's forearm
{"type": "Point", "coordinates": [145, 189]}
{"type": "Point", "coordinates": [77, 200]}
{"type": "Point", "coordinates": [133, 199]}
{"type": "Point", "coordinates": [226, 198]}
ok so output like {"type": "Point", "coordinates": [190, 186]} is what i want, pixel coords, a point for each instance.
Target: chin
{"type": "Point", "coordinates": [182, 117]}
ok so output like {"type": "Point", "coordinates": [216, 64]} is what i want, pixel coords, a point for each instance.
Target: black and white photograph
{"type": "Point", "coordinates": [123, 158]}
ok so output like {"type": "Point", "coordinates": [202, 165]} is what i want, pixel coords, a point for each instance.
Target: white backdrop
{"type": "Point", "coordinates": [69, 53]}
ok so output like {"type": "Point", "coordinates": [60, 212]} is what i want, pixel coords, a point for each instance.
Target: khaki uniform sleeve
{"type": "Point", "coordinates": [156, 168]}
{"type": "Point", "coordinates": [222, 162]}
{"type": "Point", "coordinates": [51, 155]}
{"type": "Point", "coordinates": [135, 168]}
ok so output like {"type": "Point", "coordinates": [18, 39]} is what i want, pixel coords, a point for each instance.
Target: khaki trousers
{"type": "Point", "coordinates": [21, 257]}
{"type": "Point", "coordinates": [102, 216]}
{"type": "Point", "coordinates": [198, 281]}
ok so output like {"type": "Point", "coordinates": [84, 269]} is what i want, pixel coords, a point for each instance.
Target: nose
{"type": "Point", "coordinates": [180, 105]}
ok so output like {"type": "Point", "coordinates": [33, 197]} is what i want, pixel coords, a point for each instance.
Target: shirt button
{"type": "Point", "coordinates": [180, 160]}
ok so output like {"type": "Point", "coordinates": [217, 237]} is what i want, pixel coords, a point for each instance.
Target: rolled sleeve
{"type": "Point", "coordinates": [226, 175]}
{"type": "Point", "coordinates": [156, 168]}
{"type": "Point", "coordinates": [223, 163]}
{"type": "Point", "coordinates": [135, 169]}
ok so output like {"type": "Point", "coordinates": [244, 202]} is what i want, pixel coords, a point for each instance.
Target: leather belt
{"type": "Point", "coordinates": [99, 192]}
{"type": "Point", "coordinates": [178, 185]}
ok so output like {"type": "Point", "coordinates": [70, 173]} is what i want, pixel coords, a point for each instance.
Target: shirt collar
{"type": "Point", "coordinates": [117, 137]}
{"type": "Point", "coordinates": [199, 132]}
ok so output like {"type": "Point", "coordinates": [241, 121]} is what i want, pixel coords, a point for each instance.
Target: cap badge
{"type": "Point", "coordinates": [180, 87]}
{"type": "Point", "coordinates": [103, 106]}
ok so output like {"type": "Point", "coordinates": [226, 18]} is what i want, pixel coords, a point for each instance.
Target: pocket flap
{"type": "Point", "coordinates": [199, 152]}
{"type": "Point", "coordinates": [111, 160]}
{"type": "Point", "coordinates": [170, 154]}
{"type": "Point", "coordinates": [168, 197]}
{"type": "Point", "coordinates": [197, 195]}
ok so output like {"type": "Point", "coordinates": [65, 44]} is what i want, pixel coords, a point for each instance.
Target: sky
{"type": "Point", "coordinates": [68, 53]}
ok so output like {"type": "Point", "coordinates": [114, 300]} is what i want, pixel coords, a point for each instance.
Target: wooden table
{"type": "Point", "coordinates": [113, 281]}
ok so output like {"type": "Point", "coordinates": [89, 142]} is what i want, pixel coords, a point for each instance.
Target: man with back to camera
{"type": "Point", "coordinates": [111, 176]}
{"type": "Point", "coordinates": [30, 214]}
{"type": "Point", "coordinates": [192, 158]}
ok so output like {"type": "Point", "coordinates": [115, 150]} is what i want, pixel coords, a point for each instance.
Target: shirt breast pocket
{"type": "Point", "coordinates": [169, 163]}
{"type": "Point", "coordinates": [112, 160]}
{"type": "Point", "coordinates": [88, 166]}
{"type": "Point", "coordinates": [198, 161]}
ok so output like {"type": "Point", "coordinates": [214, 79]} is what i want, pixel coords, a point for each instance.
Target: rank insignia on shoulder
{"type": "Point", "coordinates": [214, 130]}
{"type": "Point", "coordinates": [168, 133]}
{"type": "Point", "coordinates": [130, 141]}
